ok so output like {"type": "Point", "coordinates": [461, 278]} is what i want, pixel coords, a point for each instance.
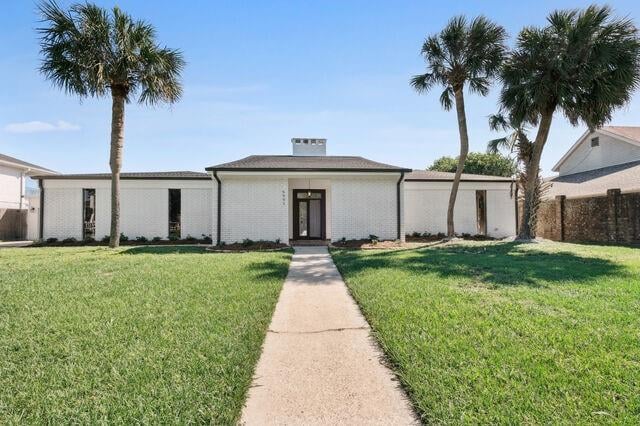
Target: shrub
{"type": "Point", "coordinates": [207, 238]}
{"type": "Point", "coordinates": [426, 234]}
{"type": "Point", "coordinates": [415, 234]}
{"type": "Point", "coordinates": [277, 241]}
{"type": "Point", "coordinates": [247, 242]}
{"type": "Point", "coordinates": [156, 239]}
{"type": "Point", "coordinates": [105, 239]}
{"type": "Point", "coordinates": [123, 237]}
{"type": "Point", "coordinates": [172, 237]}
{"type": "Point", "coordinates": [441, 235]}
{"type": "Point", "coordinates": [374, 239]}
{"type": "Point", "coordinates": [52, 240]}
{"type": "Point", "coordinates": [142, 239]}
{"type": "Point", "coordinates": [466, 235]}
{"type": "Point", "coordinates": [190, 238]}
{"type": "Point", "coordinates": [69, 240]}
{"type": "Point", "coordinates": [89, 240]}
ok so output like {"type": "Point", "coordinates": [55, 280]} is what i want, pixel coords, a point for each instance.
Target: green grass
{"type": "Point", "coordinates": [506, 333]}
{"type": "Point", "coordinates": [137, 335]}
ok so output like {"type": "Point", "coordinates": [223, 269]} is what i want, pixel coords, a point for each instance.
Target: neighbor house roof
{"type": "Point", "coordinates": [16, 163]}
{"type": "Point", "coordinates": [186, 175]}
{"type": "Point", "coordinates": [328, 163]}
{"type": "Point", "coordinates": [433, 176]}
{"type": "Point", "coordinates": [625, 177]}
{"type": "Point", "coordinates": [629, 134]}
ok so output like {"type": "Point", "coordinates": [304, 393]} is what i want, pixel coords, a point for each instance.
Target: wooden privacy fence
{"type": "Point", "coordinates": [13, 224]}
{"type": "Point", "coordinates": [611, 218]}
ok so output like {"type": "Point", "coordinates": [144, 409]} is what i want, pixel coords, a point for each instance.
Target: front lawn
{"type": "Point", "coordinates": [506, 333]}
{"type": "Point", "coordinates": [137, 335]}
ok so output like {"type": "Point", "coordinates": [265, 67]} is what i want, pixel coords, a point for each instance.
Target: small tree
{"type": "Point", "coordinates": [517, 143]}
{"type": "Point", "coordinates": [478, 163]}
{"type": "Point", "coordinates": [463, 55]}
{"type": "Point", "coordinates": [583, 63]}
{"type": "Point", "coordinates": [89, 51]}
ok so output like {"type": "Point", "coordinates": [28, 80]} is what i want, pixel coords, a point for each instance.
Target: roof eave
{"type": "Point", "coordinates": [306, 169]}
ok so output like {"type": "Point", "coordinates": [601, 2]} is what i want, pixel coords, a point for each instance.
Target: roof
{"type": "Point", "coordinates": [24, 165]}
{"type": "Point", "coordinates": [327, 163]}
{"type": "Point", "coordinates": [433, 176]}
{"type": "Point", "coordinates": [629, 134]}
{"type": "Point", "coordinates": [625, 177]}
{"type": "Point", "coordinates": [185, 175]}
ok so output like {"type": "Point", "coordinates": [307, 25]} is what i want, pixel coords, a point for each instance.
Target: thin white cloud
{"type": "Point", "coordinates": [40, 127]}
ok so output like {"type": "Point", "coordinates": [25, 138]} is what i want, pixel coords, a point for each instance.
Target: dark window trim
{"type": "Point", "coordinates": [41, 231]}
{"type": "Point", "coordinates": [169, 211]}
{"type": "Point", "coordinates": [296, 212]}
{"type": "Point", "coordinates": [219, 208]}
{"type": "Point", "coordinates": [398, 206]}
{"type": "Point", "coordinates": [84, 235]}
{"type": "Point", "coordinates": [481, 211]}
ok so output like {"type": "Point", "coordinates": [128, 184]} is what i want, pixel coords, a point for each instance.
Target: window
{"type": "Point", "coordinates": [174, 213]}
{"type": "Point", "coordinates": [481, 211]}
{"type": "Point", "coordinates": [88, 213]}
{"type": "Point", "coordinates": [595, 142]}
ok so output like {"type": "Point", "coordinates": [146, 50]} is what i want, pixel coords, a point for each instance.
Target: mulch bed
{"type": "Point", "coordinates": [122, 243]}
{"type": "Point", "coordinates": [255, 246]}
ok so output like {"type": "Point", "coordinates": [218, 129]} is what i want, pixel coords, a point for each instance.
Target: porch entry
{"type": "Point", "coordinates": [309, 214]}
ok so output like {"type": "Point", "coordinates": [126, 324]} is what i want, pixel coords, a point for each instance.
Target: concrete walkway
{"type": "Point", "coordinates": [319, 364]}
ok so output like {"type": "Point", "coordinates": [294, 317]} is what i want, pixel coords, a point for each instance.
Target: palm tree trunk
{"type": "Point", "coordinates": [115, 160]}
{"type": "Point", "coordinates": [464, 150]}
{"type": "Point", "coordinates": [527, 225]}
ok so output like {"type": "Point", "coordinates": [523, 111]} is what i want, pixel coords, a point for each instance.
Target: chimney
{"type": "Point", "coordinates": [309, 147]}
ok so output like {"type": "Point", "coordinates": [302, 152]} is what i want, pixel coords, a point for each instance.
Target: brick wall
{"type": "Point", "coordinates": [614, 217]}
{"type": "Point", "coordinates": [144, 207]}
{"type": "Point", "coordinates": [427, 202]}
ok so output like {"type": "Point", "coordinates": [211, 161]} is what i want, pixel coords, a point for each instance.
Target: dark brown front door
{"type": "Point", "coordinates": [308, 214]}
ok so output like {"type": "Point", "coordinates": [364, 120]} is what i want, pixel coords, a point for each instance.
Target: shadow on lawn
{"type": "Point", "coordinates": [501, 264]}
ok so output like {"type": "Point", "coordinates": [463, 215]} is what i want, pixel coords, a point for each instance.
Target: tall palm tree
{"type": "Point", "coordinates": [463, 55]}
{"type": "Point", "coordinates": [583, 63]}
{"type": "Point", "coordinates": [92, 52]}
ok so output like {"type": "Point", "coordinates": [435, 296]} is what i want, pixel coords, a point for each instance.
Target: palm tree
{"type": "Point", "coordinates": [584, 64]}
{"type": "Point", "coordinates": [516, 142]}
{"type": "Point", "coordinates": [464, 54]}
{"type": "Point", "coordinates": [91, 52]}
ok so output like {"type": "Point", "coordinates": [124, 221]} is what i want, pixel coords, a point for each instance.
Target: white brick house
{"type": "Point", "coordinates": [307, 195]}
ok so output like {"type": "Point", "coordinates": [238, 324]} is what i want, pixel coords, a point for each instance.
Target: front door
{"type": "Point", "coordinates": [308, 214]}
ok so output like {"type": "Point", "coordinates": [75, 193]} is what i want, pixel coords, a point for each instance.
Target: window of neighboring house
{"type": "Point", "coordinates": [174, 213]}
{"type": "Point", "coordinates": [481, 211]}
{"type": "Point", "coordinates": [88, 213]}
{"type": "Point", "coordinates": [595, 142]}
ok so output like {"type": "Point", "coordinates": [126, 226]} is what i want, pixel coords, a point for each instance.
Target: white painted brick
{"type": "Point", "coordinates": [426, 208]}
{"type": "Point", "coordinates": [362, 206]}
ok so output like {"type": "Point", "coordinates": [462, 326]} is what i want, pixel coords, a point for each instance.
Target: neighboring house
{"type": "Point", "coordinates": [307, 195]}
{"type": "Point", "coordinates": [13, 176]}
{"type": "Point", "coordinates": [607, 158]}
{"type": "Point", "coordinates": [18, 217]}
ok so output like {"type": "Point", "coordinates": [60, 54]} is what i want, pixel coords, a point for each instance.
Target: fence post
{"type": "Point", "coordinates": [613, 203]}
{"type": "Point", "coordinates": [560, 199]}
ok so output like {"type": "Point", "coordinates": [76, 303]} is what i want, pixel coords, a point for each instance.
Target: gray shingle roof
{"type": "Point", "coordinates": [429, 175]}
{"type": "Point", "coordinates": [186, 175]}
{"type": "Point", "coordinates": [24, 164]}
{"type": "Point", "coordinates": [306, 163]}
{"type": "Point", "coordinates": [625, 177]}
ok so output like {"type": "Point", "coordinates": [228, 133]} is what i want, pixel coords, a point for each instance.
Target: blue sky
{"type": "Point", "coordinates": [260, 73]}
